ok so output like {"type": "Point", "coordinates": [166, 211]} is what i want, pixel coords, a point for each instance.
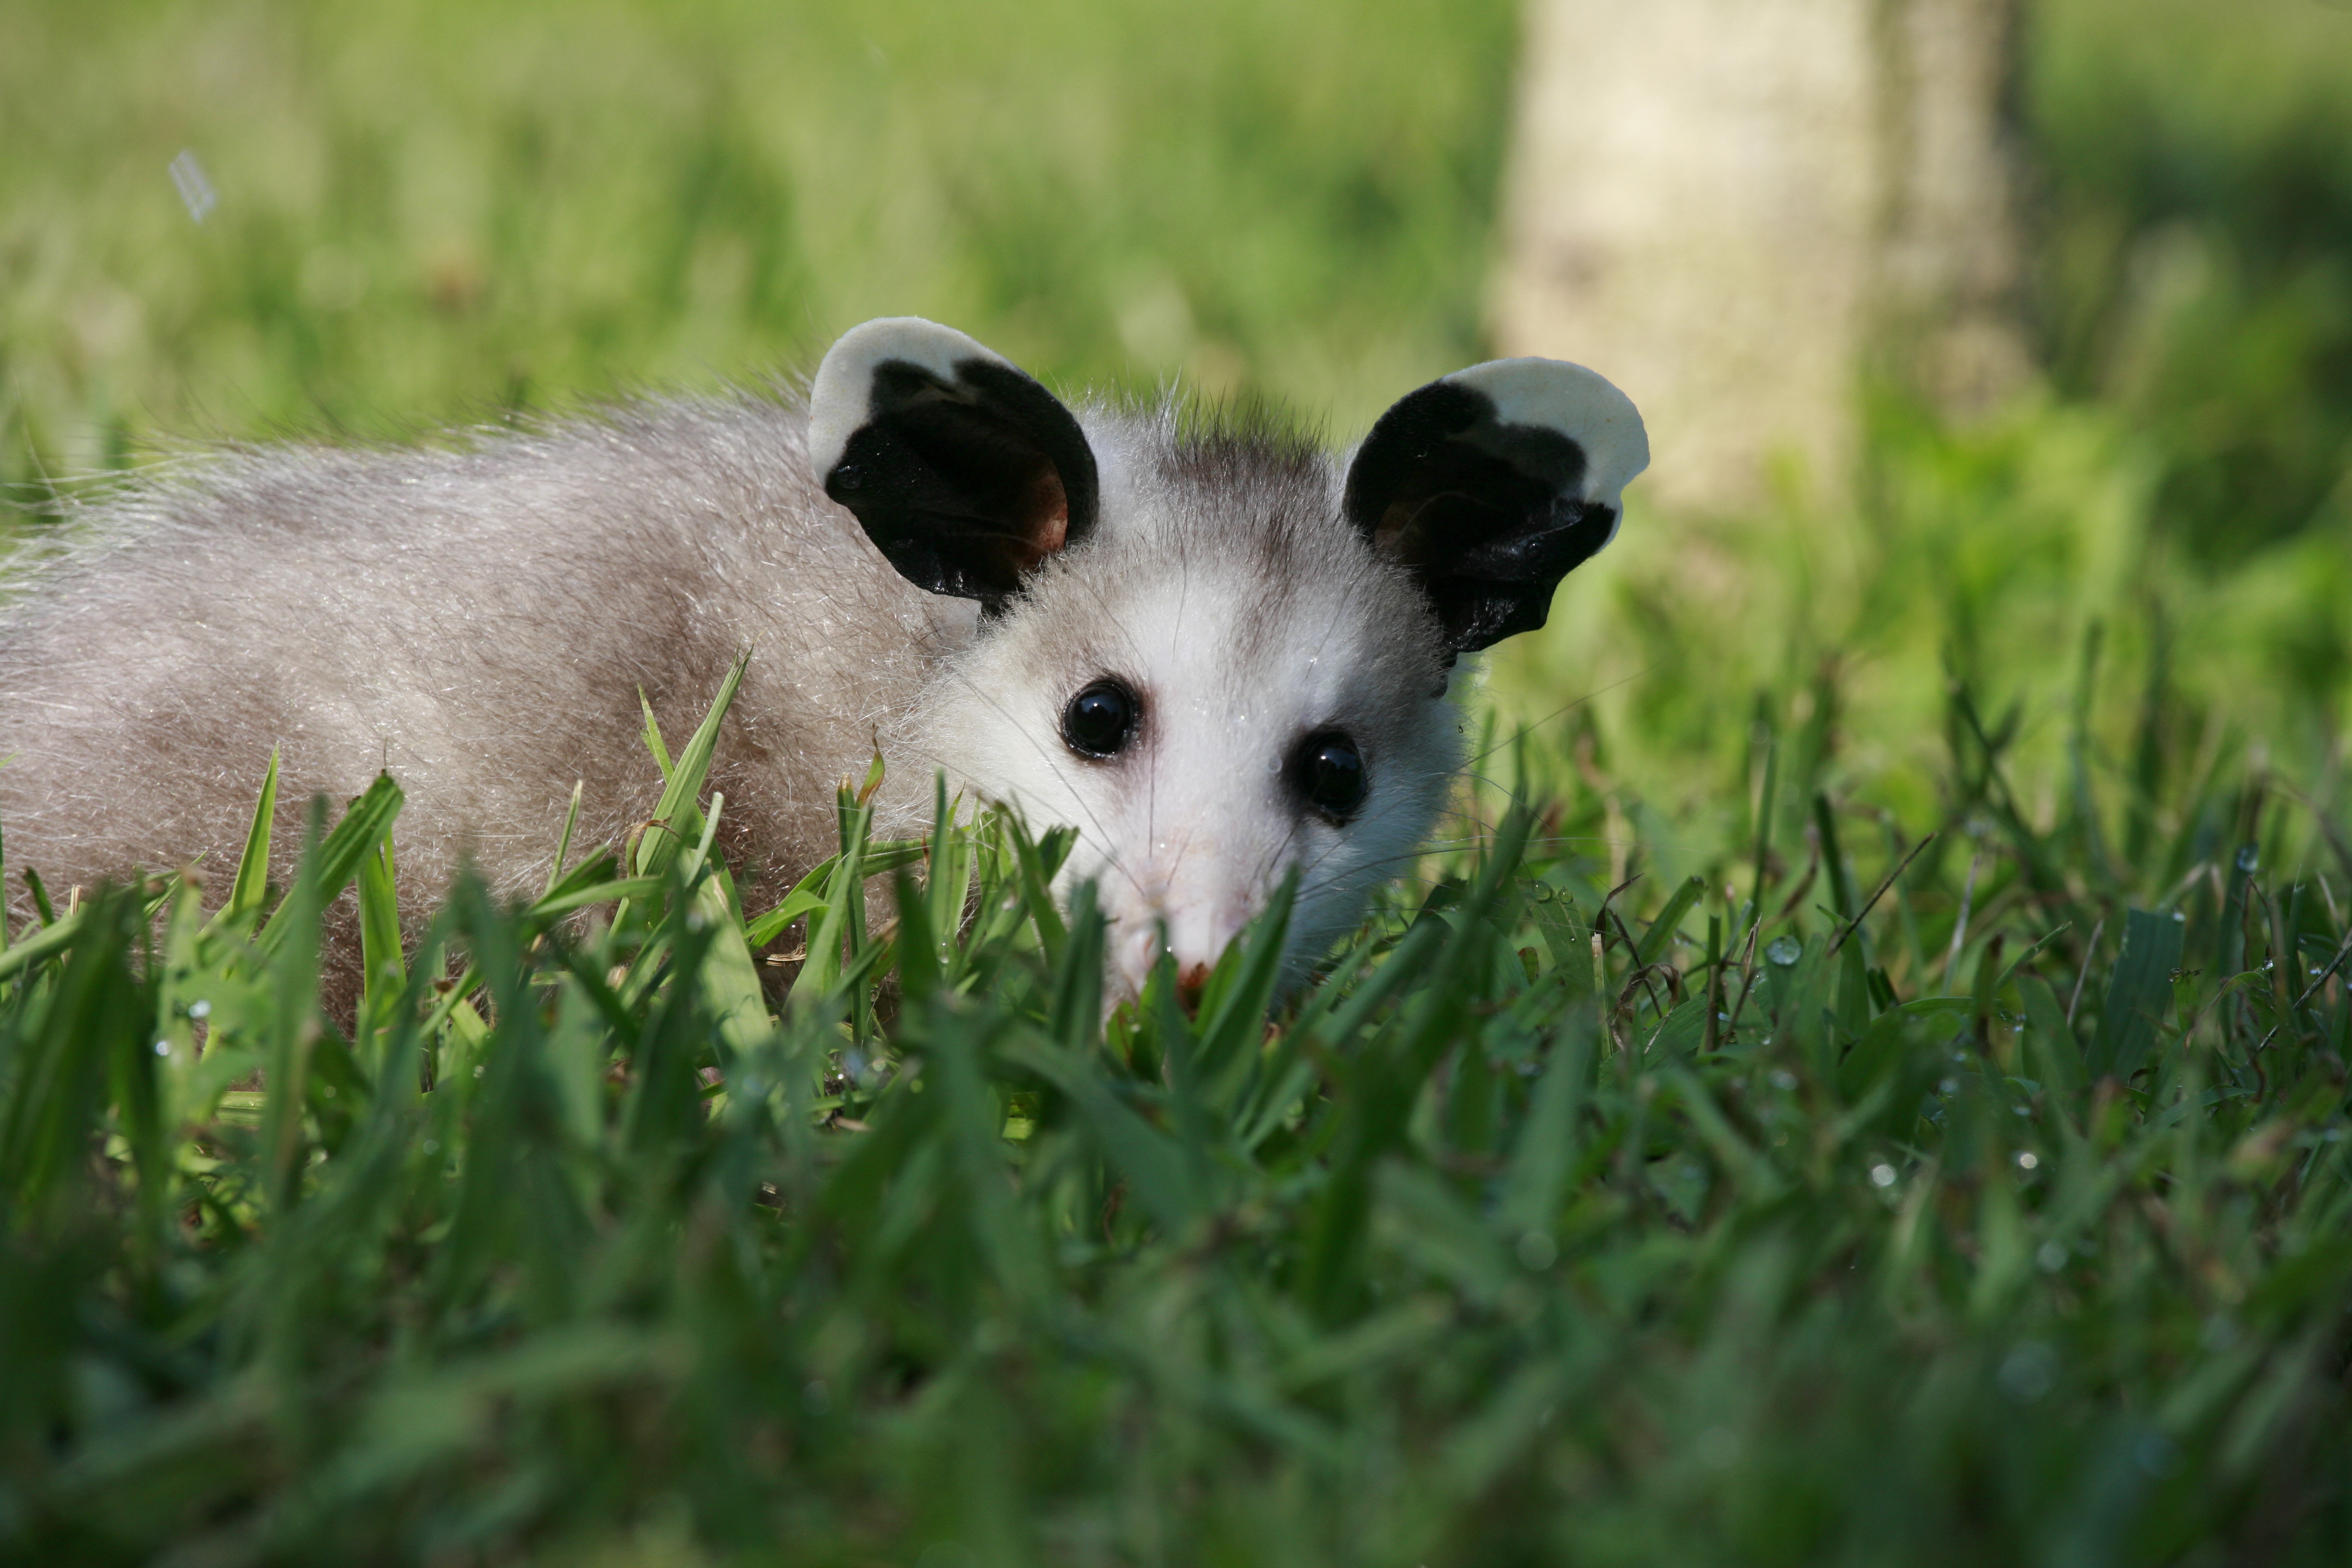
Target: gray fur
{"type": "Point", "coordinates": [479, 620]}
{"type": "Point", "coordinates": [480, 623]}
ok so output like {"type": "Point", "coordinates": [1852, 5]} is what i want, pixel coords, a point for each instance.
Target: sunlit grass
{"type": "Point", "coordinates": [1984, 1201]}
{"type": "Point", "coordinates": [431, 212]}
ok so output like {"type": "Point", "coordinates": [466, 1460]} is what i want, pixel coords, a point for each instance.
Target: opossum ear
{"type": "Point", "coordinates": [965, 473]}
{"type": "Point", "coordinates": [1493, 483]}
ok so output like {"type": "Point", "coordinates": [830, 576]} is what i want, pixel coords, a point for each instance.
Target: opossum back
{"type": "Point", "coordinates": [479, 622]}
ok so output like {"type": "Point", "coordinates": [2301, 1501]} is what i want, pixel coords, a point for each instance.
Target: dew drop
{"type": "Point", "coordinates": [1783, 951]}
{"type": "Point", "coordinates": [2027, 1372]}
{"type": "Point", "coordinates": [195, 191]}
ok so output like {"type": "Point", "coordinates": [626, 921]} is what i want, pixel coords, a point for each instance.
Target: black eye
{"type": "Point", "coordinates": [1327, 771]}
{"type": "Point", "coordinates": [1101, 719]}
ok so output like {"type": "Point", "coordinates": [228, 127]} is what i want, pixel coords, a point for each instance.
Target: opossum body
{"type": "Point", "coordinates": [1220, 655]}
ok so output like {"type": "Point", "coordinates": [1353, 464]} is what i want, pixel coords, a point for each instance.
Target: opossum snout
{"type": "Point", "coordinates": [1190, 984]}
{"type": "Point", "coordinates": [1196, 932]}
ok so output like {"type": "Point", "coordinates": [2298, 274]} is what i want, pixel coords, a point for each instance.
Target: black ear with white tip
{"type": "Point", "coordinates": [1493, 483]}
{"type": "Point", "coordinates": [965, 473]}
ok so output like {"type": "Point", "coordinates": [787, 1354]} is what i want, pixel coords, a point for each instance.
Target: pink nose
{"type": "Point", "coordinates": [1190, 983]}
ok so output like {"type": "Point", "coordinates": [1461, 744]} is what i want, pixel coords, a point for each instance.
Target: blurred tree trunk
{"type": "Point", "coordinates": [1741, 210]}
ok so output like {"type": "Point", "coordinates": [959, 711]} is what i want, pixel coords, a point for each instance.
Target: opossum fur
{"type": "Point", "coordinates": [925, 551]}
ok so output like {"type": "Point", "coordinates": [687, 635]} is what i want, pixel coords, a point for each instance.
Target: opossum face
{"type": "Point", "coordinates": [1221, 657]}
{"type": "Point", "coordinates": [1214, 701]}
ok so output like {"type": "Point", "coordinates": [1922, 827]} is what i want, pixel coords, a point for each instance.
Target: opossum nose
{"type": "Point", "coordinates": [1189, 932]}
{"type": "Point", "coordinates": [1191, 980]}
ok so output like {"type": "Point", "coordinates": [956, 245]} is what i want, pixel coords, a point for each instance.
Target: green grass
{"type": "Point", "coordinates": [559, 1249]}
{"type": "Point", "coordinates": [2007, 1216]}
{"type": "Point", "coordinates": [2197, 209]}
{"type": "Point", "coordinates": [431, 212]}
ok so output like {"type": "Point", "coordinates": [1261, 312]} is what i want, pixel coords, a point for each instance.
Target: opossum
{"type": "Point", "coordinates": [1215, 649]}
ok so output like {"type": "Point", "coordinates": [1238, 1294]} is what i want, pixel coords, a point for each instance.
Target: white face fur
{"type": "Point", "coordinates": [1214, 693]}
{"type": "Point", "coordinates": [1222, 657]}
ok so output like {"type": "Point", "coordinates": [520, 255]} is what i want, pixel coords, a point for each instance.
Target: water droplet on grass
{"type": "Point", "coordinates": [195, 191]}
{"type": "Point", "coordinates": [2157, 1453]}
{"type": "Point", "coordinates": [2027, 1371]}
{"type": "Point", "coordinates": [1784, 950]}
{"type": "Point", "coordinates": [1882, 1175]}
{"type": "Point", "coordinates": [1718, 1447]}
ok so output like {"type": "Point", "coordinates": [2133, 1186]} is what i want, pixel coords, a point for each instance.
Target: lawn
{"type": "Point", "coordinates": [1863, 1080]}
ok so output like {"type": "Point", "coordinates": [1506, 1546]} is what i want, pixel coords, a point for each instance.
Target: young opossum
{"type": "Point", "coordinates": [1219, 655]}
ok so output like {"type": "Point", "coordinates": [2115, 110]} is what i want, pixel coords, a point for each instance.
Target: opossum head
{"type": "Point", "coordinates": [1222, 655]}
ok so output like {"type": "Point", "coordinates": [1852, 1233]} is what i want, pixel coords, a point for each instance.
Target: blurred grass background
{"type": "Point", "coordinates": [432, 214]}
{"type": "Point", "coordinates": [430, 211]}
{"type": "Point", "coordinates": [2180, 481]}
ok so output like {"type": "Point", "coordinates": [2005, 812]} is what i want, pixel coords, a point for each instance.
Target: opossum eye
{"type": "Point", "coordinates": [1327, 771]}
{"type": "Point", "coordinates": [1101, 719]}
